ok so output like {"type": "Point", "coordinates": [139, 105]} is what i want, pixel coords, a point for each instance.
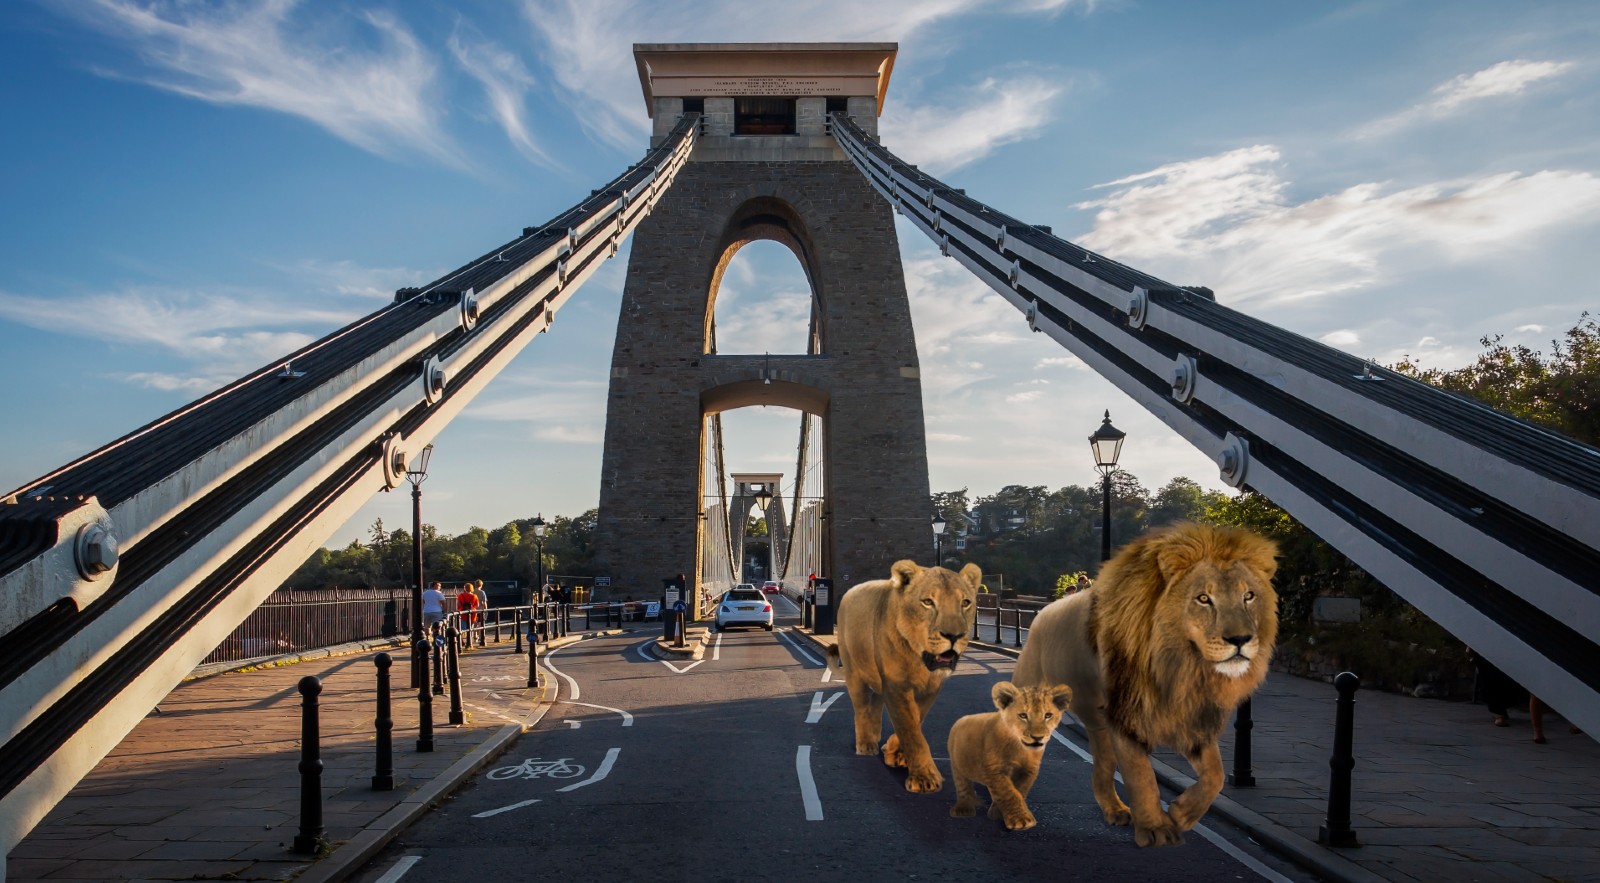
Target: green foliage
{"type": "Point", "coordinates": [756, 527]}
{"type": "Point", "coordinates": [1561, 392]}
{"type": "Point", "coordinates": [509, 552]}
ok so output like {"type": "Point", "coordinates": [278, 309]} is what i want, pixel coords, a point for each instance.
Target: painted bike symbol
{"type": "Point", "coordinates": [533, 768]}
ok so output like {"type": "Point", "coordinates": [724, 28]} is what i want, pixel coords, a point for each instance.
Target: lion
{"type": "Point", "coordinates": [1001, 750]}
{"type": "Point", "coordinates": [1177, 631]}
{"type": "Point", "coordinates": [899, 639]}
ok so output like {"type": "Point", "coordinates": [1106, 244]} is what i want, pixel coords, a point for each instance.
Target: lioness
{"type": "Point", "coordinates": [1001, 750]}
{"type": "Point", "coordinates": [1177, 631]}
{"type": "Point", "coordinates": [899, 638]}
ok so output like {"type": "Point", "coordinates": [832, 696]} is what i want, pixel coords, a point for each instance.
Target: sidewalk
{"type": "Point", "coordinates": [1438, 793]}
{"type": "Point", "coordinates": [208, 788]}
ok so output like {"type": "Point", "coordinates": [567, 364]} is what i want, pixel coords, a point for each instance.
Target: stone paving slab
{"type": "Point", "coordinates": [1438, 793]}
{"type": "Point", "coordinates": [208, 788]}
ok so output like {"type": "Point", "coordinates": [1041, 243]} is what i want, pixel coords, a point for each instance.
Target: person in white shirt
{"type": "Point", "coordinates": [432, 606]}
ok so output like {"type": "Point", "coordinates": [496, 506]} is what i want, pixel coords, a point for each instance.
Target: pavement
{"type": "Point", "coordinates": [1437, 794]}
{"type": "Point", "coordinates": [208, 788]}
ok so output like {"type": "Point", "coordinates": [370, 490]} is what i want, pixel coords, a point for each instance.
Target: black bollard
{"type": "Point", "coordinates": [1336, 830]}
{"type": "Point", "coordinates": [1017, 610]}
{"type": "Point", "coordinates": [534, 677]}
{"type": "Point", "coordinates": [997, 618]}
{"type": "Point", "coordinates": [1242, 776]}
{"type": "Point", "coordinates": [438, 665]}
{"type": "Point", "coordinates": [383, 779]}
{"type": "Point", "coordinates": [456, 717]}
{"type": "Point", "coordinates": [310, 837]}
{"type": "Point", "coordinates": [419, 653]}
{"type": "Point", "coordinates": [516, 629]}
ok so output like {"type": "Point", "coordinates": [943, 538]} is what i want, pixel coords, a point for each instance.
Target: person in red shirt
{"type": "Point", "coordinates": [467, 605]}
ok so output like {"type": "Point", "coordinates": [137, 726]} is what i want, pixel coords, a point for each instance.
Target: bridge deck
{"type": "Point", "coordinates": [211, 782]}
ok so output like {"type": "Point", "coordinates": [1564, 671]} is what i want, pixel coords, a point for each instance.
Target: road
{"type": "Point", "coordinates": [741, 766]}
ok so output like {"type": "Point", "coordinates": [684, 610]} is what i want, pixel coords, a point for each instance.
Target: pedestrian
{"type": "Point", "coordinates": [1083, 583]}
{"type": "Point", "coordinates": [1497, 690]}
{"type": "Point", "coordinates": [1536, 710]}
{"type": "Point", "coordinates": [432, 607]}
{"type": "Point", "coordinates": [467, 605]}
{"type": "Point", "coordinates": [483, 597]}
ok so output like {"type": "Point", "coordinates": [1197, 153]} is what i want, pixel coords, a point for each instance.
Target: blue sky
{"type": "Point", "coordinates": [190, 190]}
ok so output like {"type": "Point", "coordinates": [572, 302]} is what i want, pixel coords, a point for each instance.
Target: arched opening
{"type": "Point", "coordinates": [763, 296]}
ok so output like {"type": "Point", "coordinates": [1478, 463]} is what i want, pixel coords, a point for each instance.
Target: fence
{"type": "Point", "coordinates": [290, 621]}
{"type": "Point", "coordinates": [1004, 620]}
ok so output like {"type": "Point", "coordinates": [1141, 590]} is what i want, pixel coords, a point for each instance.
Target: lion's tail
{"type": "Point", "coordinates": [835, 659]}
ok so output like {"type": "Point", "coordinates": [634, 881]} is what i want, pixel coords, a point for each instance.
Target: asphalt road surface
{"type": "Point", "coordinates": [742, 767]}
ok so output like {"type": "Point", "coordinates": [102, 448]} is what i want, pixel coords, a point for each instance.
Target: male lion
{"type": "Point", "coordinates": [1001, 751]}
{"type": "Point", "coordinates": [899, 639]}
{"type": "Point", "coordinates": [1177, 631]}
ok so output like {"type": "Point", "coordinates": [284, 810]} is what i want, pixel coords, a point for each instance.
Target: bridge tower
{"type": "Point", "coordinates": [764, 168]}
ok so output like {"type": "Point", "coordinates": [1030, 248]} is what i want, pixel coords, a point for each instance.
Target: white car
{"type": "Point", "coordinates": [744, 604]}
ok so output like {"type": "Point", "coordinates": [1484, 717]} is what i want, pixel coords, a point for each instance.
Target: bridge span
{"type": "Point", "coordinates": [121, 570]}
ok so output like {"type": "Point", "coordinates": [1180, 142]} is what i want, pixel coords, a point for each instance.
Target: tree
{"type": "Point", "coordinates": [1560, 393]}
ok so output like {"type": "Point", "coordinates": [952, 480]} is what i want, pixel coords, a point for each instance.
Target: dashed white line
{"type": "Point", "coordinates": [601, 773]}
{"type": "Point", "coordinates": [495, 812]}
{"type": "Point", "coordinates": [819, 707]}
{"type": "Point", "coordinates": [1056, 735]}
{"type": "Point", "coordinates": [716, 648]}
{"type": "Point", "coordinates": [399, 869]}
{"type": "Point", "coordinates": [808, 785]}
{"type": "Point", "coordinates": [795, 643]}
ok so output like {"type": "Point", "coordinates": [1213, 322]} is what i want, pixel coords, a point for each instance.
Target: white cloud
{"type": "Point", "coordinates": [1225, 221]}
{"type": "Point", "coordinates": [1535, 329]}
{"type": "Point", "coordinates": [1430, 340]}
{"type": "Point", "coordinates": [1030, 395]}
{"type": "Point", "coordinates": [255, 55]}
{"type": "Point", "coordinates": [1341, 338]}
{"type": "Point", "coordinates": [504, 80]}
{"type": "Point", "coordinates": [1507, 78]}
{"type": "Point", "coordinates": [1066, 361]}
{"type": "Point", "coordinates": [588, 44]}
{"type": "Point", "coordinates": [998, 111]}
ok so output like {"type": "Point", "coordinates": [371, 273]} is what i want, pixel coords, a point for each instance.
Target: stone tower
{"type": "Point", "coordinates": [764, 168]}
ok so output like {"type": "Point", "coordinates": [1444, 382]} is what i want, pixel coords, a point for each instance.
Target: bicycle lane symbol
{"type": "Point", "coordinates": [534, 768]}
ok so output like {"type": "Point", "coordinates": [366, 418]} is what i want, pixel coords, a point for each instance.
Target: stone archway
{"type": "Point", "coordinates": [861, 375]}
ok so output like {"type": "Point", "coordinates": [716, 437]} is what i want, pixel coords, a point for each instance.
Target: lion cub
{"type": "Point", "coordinates": [1001, 750]}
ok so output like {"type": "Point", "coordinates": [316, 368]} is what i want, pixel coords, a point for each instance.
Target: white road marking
{"type": "Point", "coordinates": [819, 708]}
{"type": "Point", "coordinates": [827, 674]}
{"type": "Point", "coordinates": [795, 643]}
{"type": "Point", "coordinates": [808, 786]}
{"type": "Point", "coordinates": [792, 606]}
{"type": "Point", "coordinates": [627, 719]}
{"type": "Point", "coordinates": [495, 812]}
{"type": "Point", "coordinates": [399, 869]}
{"type": "Point", "coordinates": [601, 773]}
{"type": "Point", "coordinates": [492, 713]}
{"type": "Point", "coordinates": [576, 725]}
{"type": "Point", "coordinates": [558, 672]}
{"type": "Point", "coordinates": [716, 648]}
{"type": "Point", "coordinates": [645, 655]}
{"type": "Point", "coordinates": [1216, 839]}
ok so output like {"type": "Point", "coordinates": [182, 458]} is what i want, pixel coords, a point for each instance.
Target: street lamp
{"type": "Point", "coordinates": [763, 500]}
{"type": "Point", "coordinates": [938, 539]}
{"type": "Point", "coordinates": [417, 473]}
{"type": "Point", "coordinates": [539, 527]}
{"type": "Point", "coordinates": [1106, 444]}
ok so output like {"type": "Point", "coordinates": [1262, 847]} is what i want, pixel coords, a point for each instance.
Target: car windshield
{"type": "Point", "coordinates": [744, 586]}
{"type": "Point", "coordinates": [744, 595]}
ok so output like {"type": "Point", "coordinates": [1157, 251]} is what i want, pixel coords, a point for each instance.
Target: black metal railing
{"type": "Point", "coordinates": [1004, 621]}
{"type": "Point", "coordinates": [290, 621]}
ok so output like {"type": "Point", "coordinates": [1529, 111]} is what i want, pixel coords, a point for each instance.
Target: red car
{"type": "Point", "coordinates": [771, 587]}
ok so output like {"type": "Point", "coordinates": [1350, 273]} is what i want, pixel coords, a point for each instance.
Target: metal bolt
{"type": "Point", "coordinates": [97, 551]}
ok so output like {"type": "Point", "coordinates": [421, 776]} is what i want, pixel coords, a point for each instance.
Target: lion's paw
{"type": "Point", "coordinates": [891, 753]}
{"type": "Point", "coordinates": [1185, 816]}
{"type": "Point", "coordinates": [1021, 821]}
{"type": "Point", "coordinates": [925, 782]}
{"type": "Point", "coordinates": [963, 810]}
{"type": "Point", "coordinates": [867, 749]}
{"type": "Point", "coordinates": [1164, 834]}
{"type": "Point", "coordinates": [1119, 817]}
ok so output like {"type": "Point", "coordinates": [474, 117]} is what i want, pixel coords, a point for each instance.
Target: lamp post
{"type": "Point", "coordinates": [417, 473]}
{"type": "Point", "coordinates": [539, 527]}
{"type": "Point", "coordinates": [1106, 444]}
{"type": "Point", "coordinates": [763, 500]}
{"type": "Point", "coordinates": [938, 539]}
